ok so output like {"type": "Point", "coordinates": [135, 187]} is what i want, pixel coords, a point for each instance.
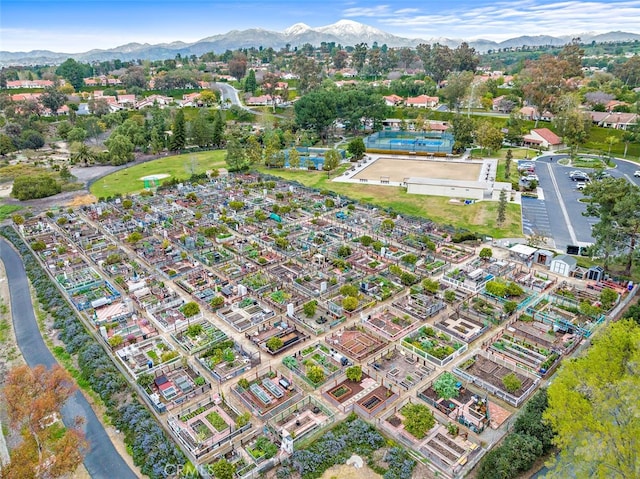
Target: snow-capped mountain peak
{"type": "Point", "coordinates": [297, 29]}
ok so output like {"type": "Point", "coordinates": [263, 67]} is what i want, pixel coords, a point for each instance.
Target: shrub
{"type": "Point", "coordinates": [309, 308]}
{"type": "Point", "coordinates": [274, 343]}
{"type": "Point", "coordinates": [191, 309]}
{"type": "Point", "coordinates": [511, 383]}
{"type": "Point", "coordinates": [350, 303]}
{"type": "Point", "coordinates": [354, 373]}
{"type": "Point", "coordinates": [418, 419]}
{"type": "Point", "coordinates": [315, 374]}
{"type": "Point", "coordinates": [446, 386]}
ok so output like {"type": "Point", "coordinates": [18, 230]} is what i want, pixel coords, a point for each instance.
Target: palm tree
{"type": "Point", "coordinates": [84, 155]}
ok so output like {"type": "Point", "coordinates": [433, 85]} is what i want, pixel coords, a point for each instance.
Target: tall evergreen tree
{"type": "Point", "coordinates": [217, 136]}
{"type": "Point", "coordinates": [502, 207]}
{"type": "Point", "coordinates": [179, 134]}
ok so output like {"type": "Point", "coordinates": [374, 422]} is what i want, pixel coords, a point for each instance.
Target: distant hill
{"type": "Point", "coordinates": [344, 32]}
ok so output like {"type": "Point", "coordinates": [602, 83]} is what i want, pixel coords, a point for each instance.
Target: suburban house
{"type": "Point", "coordinates": [422, 101]}
{"type": "Point", "coordinates": [542, 137]}
{"type": "Point", "coordinates": [190, 99]}
{"type": "Point", "coordinates": [617, 120]}
{"type": "Point", "coordinates": [393, 100]}
{"type": "Point", "coordinates": [262, 100]}
{"type": "Point", "coordinates": [29, 83]}
{"type": "Point", "coordinates": [152, 100]}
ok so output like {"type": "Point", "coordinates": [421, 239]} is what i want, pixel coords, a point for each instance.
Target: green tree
{"type": "Point", "coordinates": [511, 383]}
{"type": "Point", "coordinates": [485, 253]}
{"type": "Point", "coordinates": [458, 84]}
{"type": "Point", "coordinates": [350, 303]}
{"type": "Point", "coordinates": [223, 469]}
{"type": "Point", "coordinates": [83, 155]}
{"type": "Point", "coordinates": [354, 373]}
{"type": "Point", "coordinates": [178, 132]}
{"type": "Point", "coordinates": [488, 135]}
{"type": "Point", "coordinates": [250, 84]}
{"type": "Point", "coordinates": [120, 149]}
{"type": "Point", "coordinates": [572, 123]}
{"type": "Point", "coordinates": [274, 343]}
{"type": "Point", "coordinates": [502, 207]}
{"type": "Point", "coordinates": [315, 374]}
{"type": "Point", "coordinates": [202, 130]}
{"type": "Point", "coordinates": [53, 99]}
{"type": "Point", "coordinates": [217, 135]}
{"type": "Point", "coordinates": [430, 285]}
{"type": "Point", "coordinates": [462, 129]}
{"type": "Point", "coordinates": [418, 420]}
{"type": "Point", "coordinates": [331, 161]}
{"type": "Point", "coordinates": [73, 72]}
{"type": "Point", "coordinates": [191, 309]}
{"type": "Point", "coordinates": [598, 434]}
{"type": "Point", "coordinates": [316, 111]}
{"type": "Point", "coordinates": [294, 158]}
{"type": "Point", "coordinates": [616, 202]}
{"type": "Point", "coordinates": [235, 158]}
{"type": "Point", "coordinates": [508, 160]}
{"type": "Point", "coordinates": [6, 145]}
{"type": "Point", "coordinates": [309, 308]}
{"type": "Point", "coordinates": [516, 455]}
{"type": "Point", "coordinates": [77, 134]}
{"type": "Point", "coordinates": [446, 386]}
{"type": "Point", "coordinates": [356, 148]}
{"type": "Point", "coordinates": [29, 187]}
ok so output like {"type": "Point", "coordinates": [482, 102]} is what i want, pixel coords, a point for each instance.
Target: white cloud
{"type": "Point", "coordinates": [503, 20]}
{"type": "Point", "coordinates": [378, 11]}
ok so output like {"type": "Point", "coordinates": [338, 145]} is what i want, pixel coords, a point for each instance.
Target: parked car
{"type": "Point", "coordinates": [636, 173]}
{"type": "Point", "coordinates": [583, 177]}
{"type": "Point", "coordinates": [581, 186]}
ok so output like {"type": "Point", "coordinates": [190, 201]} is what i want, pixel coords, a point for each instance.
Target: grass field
{"type": "Point", "coordinates": [181, 166]}
{"type": "Point", "coordinates": [6, 211]}
{"type": "Point", "coordinates": [479, 217]}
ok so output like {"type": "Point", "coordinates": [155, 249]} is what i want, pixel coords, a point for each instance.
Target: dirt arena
{"type": "Point", "coordinates": [397, 170]}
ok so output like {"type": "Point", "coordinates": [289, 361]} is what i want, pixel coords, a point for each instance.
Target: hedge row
{"type": "Point", "coordinates": [151, 449]}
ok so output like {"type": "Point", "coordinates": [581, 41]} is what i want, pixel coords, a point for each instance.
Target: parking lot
{"type": "Point", "coordinates": [558, 213]}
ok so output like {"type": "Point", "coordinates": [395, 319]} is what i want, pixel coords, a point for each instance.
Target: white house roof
{"type": "Point", "coordinates": [523, 249]}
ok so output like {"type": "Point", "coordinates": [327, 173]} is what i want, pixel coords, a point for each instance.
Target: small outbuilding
{"type": "Point", "coordinates": [543, 257]}
{"type": "Point", "coordinates": [563, 264]}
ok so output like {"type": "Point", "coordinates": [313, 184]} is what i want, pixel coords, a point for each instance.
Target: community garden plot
{"type": "Point", "coordinates": [314, 364]}
{"type": "Point", "coordinates": [301, 419]}
{"type": "Point", "coordinates": [227, 359]}
{"type": "Point", "coordinates": [205, 426]}
{"type": "Point", "coordinates": [389, 322]}
{"type": "Point", "coordinates": [434, 345]}
{"type": "Point", "coordinates": [400, 367]}
{"type": "Point", "coordinates": [446, 450]}
{"type": "Point", "coordinates": [267, 393]}
{"type": "Point", "coordinates": [419, 306]}
{"type": "Point", "coordinates": [276, 337]}
{"type": "Point", "coordinates": [146, 356]}
{"type": "Point", "coordinates": [355, 343]}
{"type": "Point", "coordinates": [523, 352]}
{"type": "Point", "coordinates": [500, 378]}
{"type": "Point", "coordinates": [566, 314]}
{"type": "Point", "coordinates": [317, 319]}
{"type": "Point", "coordinates": [246, 313]}
{"type": "Point", "coordinates": [463, 326]}
{"type": "Point", "coordinates": [198, 336]}
{"type": "Point", "coordinates": [173, 386]}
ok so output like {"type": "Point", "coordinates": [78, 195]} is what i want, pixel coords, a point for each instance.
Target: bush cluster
{"type": "Point", "coordinates": [353, 436]}
{"type": "Point", "coordinates": [151, 448]}
{"type": "Point", "coordinates": [531, 438]}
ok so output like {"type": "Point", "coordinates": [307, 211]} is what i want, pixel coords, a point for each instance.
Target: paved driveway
{"type": "Point", "coordinates": [102, 459]}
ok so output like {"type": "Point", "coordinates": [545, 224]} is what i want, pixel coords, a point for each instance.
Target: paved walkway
{"type": "Point", "coordinates": [102, 460]}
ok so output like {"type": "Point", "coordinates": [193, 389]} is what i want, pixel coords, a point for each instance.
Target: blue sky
{"type": "Point", "coordinates": [80, 25]}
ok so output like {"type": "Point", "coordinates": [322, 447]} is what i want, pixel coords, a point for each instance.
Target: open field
{"type": "Point", "coordinates": [479, 217]}
{"type": "Point", "coordinates": [398, 170]}
{"type": "Point", "coordinates": [181, 166]}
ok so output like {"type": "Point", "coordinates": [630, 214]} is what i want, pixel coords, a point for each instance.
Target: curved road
{"type": "Point", "coordinates": [102, 460]}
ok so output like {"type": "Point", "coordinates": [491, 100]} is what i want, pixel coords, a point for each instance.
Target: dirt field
{"type": "Point", "coordinates": [398, 170]}
{"type": "Point", "coordinates": [342, 471]}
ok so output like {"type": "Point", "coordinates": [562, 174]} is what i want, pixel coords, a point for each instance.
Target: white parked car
{"type": "Point", "coordinates": [636, 173]}
{"type": "Point", "coordinates": [581, 186]}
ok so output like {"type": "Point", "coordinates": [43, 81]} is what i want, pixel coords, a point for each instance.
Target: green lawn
{"type": "Point", "coordinates": [128, 180]}
{"type": "Point", "coordinates": [479, 217]}
{"type": "Point", "coordinates": [6, 211]}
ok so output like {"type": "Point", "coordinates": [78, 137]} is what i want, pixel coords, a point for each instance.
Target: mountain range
{"type": "Point", "coordinates": [343, 32]}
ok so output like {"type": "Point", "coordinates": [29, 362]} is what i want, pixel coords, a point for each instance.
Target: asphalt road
{"type": "Point", "coordinates": [560, 214]}
{"type": "Point", "coordinates": [102, 460]}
